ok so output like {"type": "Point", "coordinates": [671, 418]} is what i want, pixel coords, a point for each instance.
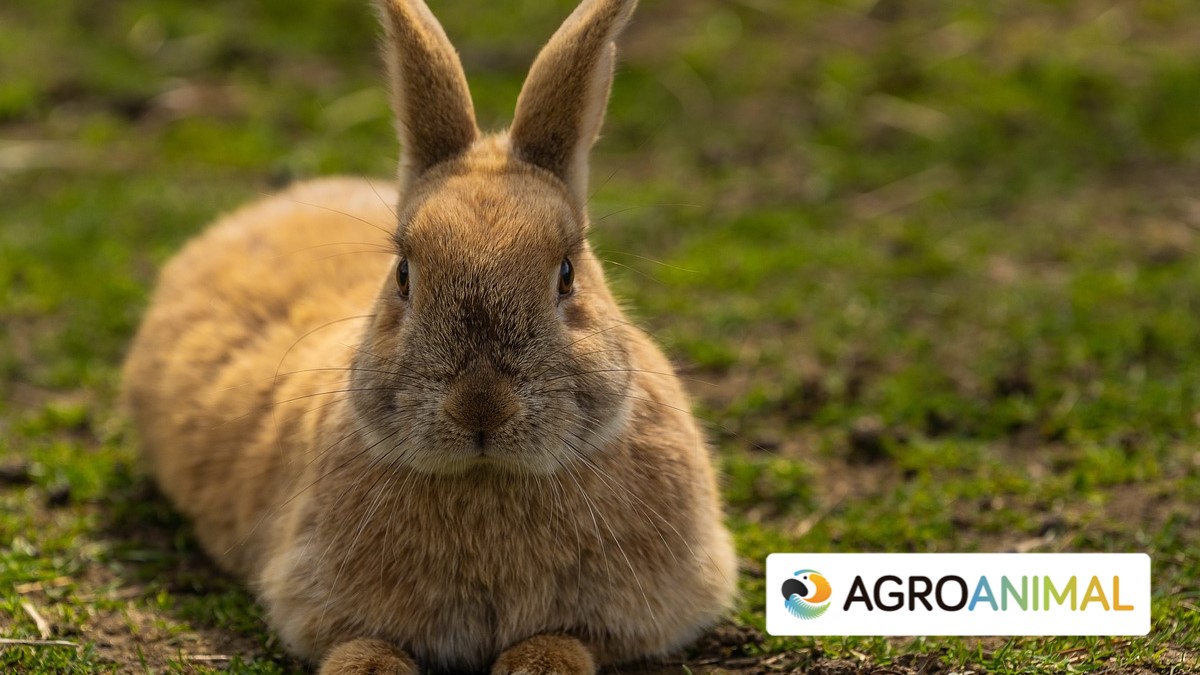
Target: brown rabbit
{"type": "Point", "coordinates": [450, 450]}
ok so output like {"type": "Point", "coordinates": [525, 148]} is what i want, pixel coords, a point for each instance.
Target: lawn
{"type": "Point", "coordinates": [931, 271]}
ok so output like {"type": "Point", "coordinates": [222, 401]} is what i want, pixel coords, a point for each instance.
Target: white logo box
{"type": "Point", "coordinates": [1118, 581]}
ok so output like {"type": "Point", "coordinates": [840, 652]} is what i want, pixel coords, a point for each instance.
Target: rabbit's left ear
{"type": "Point", "coordinates": [561, 106]}
{"type": "Point", "coordinates": [434, 114]}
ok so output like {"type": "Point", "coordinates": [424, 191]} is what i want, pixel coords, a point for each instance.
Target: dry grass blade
{"type": "Point", "coordinates": [902, 193]}
{"type": "Point", "coordinates": [43, 625]}
{"type": "Point", "coordinates": [38, 586]}
{"type": "Point", "coordinates": [11, 642]}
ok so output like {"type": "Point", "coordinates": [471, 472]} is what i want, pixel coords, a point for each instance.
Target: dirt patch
{"type": "Point", "coordinates": [137, 600]}
{"type": "Point", "coordinates": [135, 639]}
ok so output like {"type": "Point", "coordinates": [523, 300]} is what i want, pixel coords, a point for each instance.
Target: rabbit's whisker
{"type": "Point", "coordinates": [567, 361]}
{"type": "Point", "coordinates": [654, 134]}
{"type": "Point", "coordinates": [262, 408]}
{"type": "Point", "coordinates": [351, 369]}
{"type": "Point", "coordinates": [316, 457]}
{"type": "Point", "coordinates": [422, 377]}
{"type": "Point", "coordinates": [390, 207]}
{"type": "Point", "coordinates": [360, 219]}
{"type": "Point", "coordinates": [572, 344]}
{"type": "Point", "coordinates": [323, 326]}
{"type": "Point", "coordinates": [626, 370]}
{"type": "Point", "coordinates": [644, 206]}
{"type": "Point", "coordinates": [617, 541]}
{"type": "Point", "coordinates": [561, 492]}
{"type": "Point", "coordinates": [279, 366]}
{"type": "Point", "coordinates": [560, 509]}
{"type": "Point", "coordinates": [287, 254]}
{"type": "Point", "coordinates": [583, 458]}
{"type": "Point", "coordinates": [613, 484]}
{"type": "Point", "coordinates": [270, 513]}
{"type": "Point", "coordinates": [328, 393]}
{"type": "Point", "coordinates": [275, 376]}
{"type": "Point", "coordinates": [635, 270]}
{"type": "Point", "coordinates": [381, 479]}
{"type": "Point", "coordinates": [272, 404]}
{"type": "Point", "coordinates": [576, 357]}
{"type": "Point", "coordinates": [387, 252]}
{"type": "Point", "coordinates": [649, 260]}
{"type": "Point", "coordinates": [719, 427]}
{"type": "Point", "coordinates": [591, 512]}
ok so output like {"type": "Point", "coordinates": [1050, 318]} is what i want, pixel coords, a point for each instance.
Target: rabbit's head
{"type": "Point", "coordinates": [496, 341]}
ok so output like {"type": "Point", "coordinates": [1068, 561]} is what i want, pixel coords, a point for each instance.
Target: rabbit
{"type": "Point", "coordinates": [414, 420]}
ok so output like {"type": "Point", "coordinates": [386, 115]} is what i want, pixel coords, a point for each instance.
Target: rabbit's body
{"type": "Point", "coordinates": [223, 350]}
{"type": "Point", "coordinates": [412, 441]}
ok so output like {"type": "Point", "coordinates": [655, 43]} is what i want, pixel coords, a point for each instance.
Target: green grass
{"type": "Point", "coordinates": [931, 270]}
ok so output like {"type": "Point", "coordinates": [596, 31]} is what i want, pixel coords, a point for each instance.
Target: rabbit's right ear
{"type": "Point", "coordinates": [561, 106]}
{"type": "Point", "coordinates": [434, 114]}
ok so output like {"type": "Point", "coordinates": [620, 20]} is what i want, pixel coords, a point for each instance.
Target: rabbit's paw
{"type": "Point", "coordinates": [546, 655]}
{"type": "Point", "coordinates": [367, 657]}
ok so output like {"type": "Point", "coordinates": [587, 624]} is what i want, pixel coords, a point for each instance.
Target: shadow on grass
{"type": "Point", "coordinates": [190, 614]}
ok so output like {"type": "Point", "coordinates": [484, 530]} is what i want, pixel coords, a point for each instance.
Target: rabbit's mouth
{"type": "Point", "coordinates": [485, 445]}
{"type": "Point", "coordinates": [486, 454]}
{"type": "Point", "coordinates": [527, 440]}
{"type": "Point", "coordinates": [509, 447]}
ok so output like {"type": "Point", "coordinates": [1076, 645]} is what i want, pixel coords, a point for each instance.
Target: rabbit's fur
{"type": "Point", "coordinates": [485, 472]}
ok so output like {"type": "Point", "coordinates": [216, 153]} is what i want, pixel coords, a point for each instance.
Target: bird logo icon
{"type": "Point", "coordinates": [806, 594]}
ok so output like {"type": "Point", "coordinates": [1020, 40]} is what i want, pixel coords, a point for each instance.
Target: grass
{"type": "Point", "coordinates": [931, 271]}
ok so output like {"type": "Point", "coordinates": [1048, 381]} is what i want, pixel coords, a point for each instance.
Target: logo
{"type": "Point", "coordinates": [806, 594]}
{"type": "Point", "coordinates": [958, 594]}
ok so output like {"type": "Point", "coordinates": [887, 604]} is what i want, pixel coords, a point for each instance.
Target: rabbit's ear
{"type": "Point", "coordinates": [434, 114]}
{"type": "Point", "coordinates": [562, 103]}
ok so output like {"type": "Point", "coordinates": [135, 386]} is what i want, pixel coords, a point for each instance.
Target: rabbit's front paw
{"type": "Point", "coordinates": [546, 655]}
{"type": "Point", "coordinates": [367, 657]}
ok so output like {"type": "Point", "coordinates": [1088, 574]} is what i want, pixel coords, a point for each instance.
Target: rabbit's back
{"type": "Point", "coordinates": [246, 310]}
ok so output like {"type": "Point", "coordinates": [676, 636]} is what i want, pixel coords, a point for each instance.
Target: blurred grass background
{"type": "Point", "coordinates": [930, 268]}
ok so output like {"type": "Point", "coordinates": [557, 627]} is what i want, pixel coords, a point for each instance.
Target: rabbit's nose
{"type": "Point", "coordinates": [480, 401]}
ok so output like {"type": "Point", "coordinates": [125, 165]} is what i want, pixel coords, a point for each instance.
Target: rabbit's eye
{"type": "Point", "coordinates": [566, 277]}
{"type": "Point", "coordinates": [402, 277]}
